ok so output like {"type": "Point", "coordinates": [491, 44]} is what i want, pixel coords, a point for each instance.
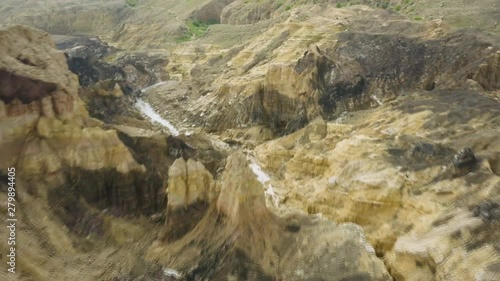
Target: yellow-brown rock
{"type": "Point", "coordinates": [189, 183]}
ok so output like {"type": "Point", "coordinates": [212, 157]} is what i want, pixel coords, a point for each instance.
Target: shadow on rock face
{"type": "Point", "coordinates": [25, 89]}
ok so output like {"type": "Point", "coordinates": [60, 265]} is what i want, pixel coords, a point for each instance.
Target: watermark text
{"type": "Point", "coordinates": [11, 220]}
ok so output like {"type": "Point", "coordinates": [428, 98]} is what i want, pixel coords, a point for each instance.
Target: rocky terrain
{"type": "Point", "coordinates": [252, 140]}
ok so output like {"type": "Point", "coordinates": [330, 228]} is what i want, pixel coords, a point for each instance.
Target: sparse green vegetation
{"type": "Point", "coordinates": [195, 29]}
{"type": "Point", "coordinates": [132, 3]}
{"type": "Point", "coordinates": [279, 4]}
{"type": "Point", "coordinates": [184, 38]}
{"type": "Point", "coordinates": [417, 18]}
{"type": "Point", "coordinates": [339, 5]}
{"type": "Point", "coordinates": [397, 8]}
{"type": "Point", "coordinates": [288, 7]}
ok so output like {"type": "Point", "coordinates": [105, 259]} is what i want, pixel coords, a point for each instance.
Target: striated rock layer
{"type": "Point", "coordinates": [76, 177]}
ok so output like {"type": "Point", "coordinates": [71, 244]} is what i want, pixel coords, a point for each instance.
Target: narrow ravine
{"type": "Point", "coordinates": [146, 109]}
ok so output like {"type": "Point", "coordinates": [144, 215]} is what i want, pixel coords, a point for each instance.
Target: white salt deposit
{"type": "Point", "coordinates": [148, 110]}
{"type": "Point", "coordinates": [153, 86]}
{"type": "Point", "coordinates": [375, 98]}
{"type": "Point", "coordinates": [264, 178]}
{"type": "Point", "coordinates": [168, 272]}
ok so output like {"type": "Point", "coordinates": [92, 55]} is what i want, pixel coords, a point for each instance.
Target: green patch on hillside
{"type": "Point", "coordinates": [196, 29]}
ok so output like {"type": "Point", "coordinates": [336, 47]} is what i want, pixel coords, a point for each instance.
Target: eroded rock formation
{"type": "Point", "coordinates": [358, 117]}
{"type": "Point", "coordinates": [234, 236]}
{"type": "Point", "coordinates": [71, 174]}
{"type": "Point", "coordinates": [46, 129]}
{"type": "Point", "coordinates": [332, 79]}
{"type": "Point", "coordinates": [417, 192]}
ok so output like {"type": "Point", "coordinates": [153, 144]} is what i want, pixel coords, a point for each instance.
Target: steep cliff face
{"type": "Point", "coordinates": [76, 180]}
{"type": "Point", "coordinates": [234, 236]}
{"type": "Point", "coordinates": [46, 129]}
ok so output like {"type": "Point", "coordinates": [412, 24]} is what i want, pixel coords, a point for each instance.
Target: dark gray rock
{"type": "Point", "coordinates": [89, 58]}
{"type": "Point", "coordinates": [464, 158]}
{"type": "Point", "coordinates": [487, 210]}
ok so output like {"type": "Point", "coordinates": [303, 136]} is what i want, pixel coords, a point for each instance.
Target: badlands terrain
{"type": "Point", "coordinates": [290, 140]}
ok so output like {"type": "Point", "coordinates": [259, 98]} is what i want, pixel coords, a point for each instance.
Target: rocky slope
{"type": "Point", "coordinates": [134, 24]}
{"type": "Point", "coordinates": [392, 155]}
{"type": "Point", "coordinates": [350, 59]}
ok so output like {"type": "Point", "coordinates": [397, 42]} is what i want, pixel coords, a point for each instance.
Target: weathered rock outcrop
{"type": "Point", "coordinates": [211, 11]}
{"type": "Point", "coordinates": [390, 122]}
{"type": "Point", "coordinates": [190, 189]}
{"type": "Point", "coordinates": [233, 236]}
{"type": "Point", "coordinates": [85, 58]}
{"type": "Point", "coordinates": [46, 129]}
{"type": "Point", "coordinates": [71, 174]}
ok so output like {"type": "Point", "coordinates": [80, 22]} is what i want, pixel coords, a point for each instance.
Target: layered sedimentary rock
{"type": "Point", "coordinates": [343, 78]}
{"type": "Point", "coordinates": [190, 189]}
{"type": "Point", "coordinates": [232, 235]}
{"type": "Point", "coordinates": [400, 136]}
